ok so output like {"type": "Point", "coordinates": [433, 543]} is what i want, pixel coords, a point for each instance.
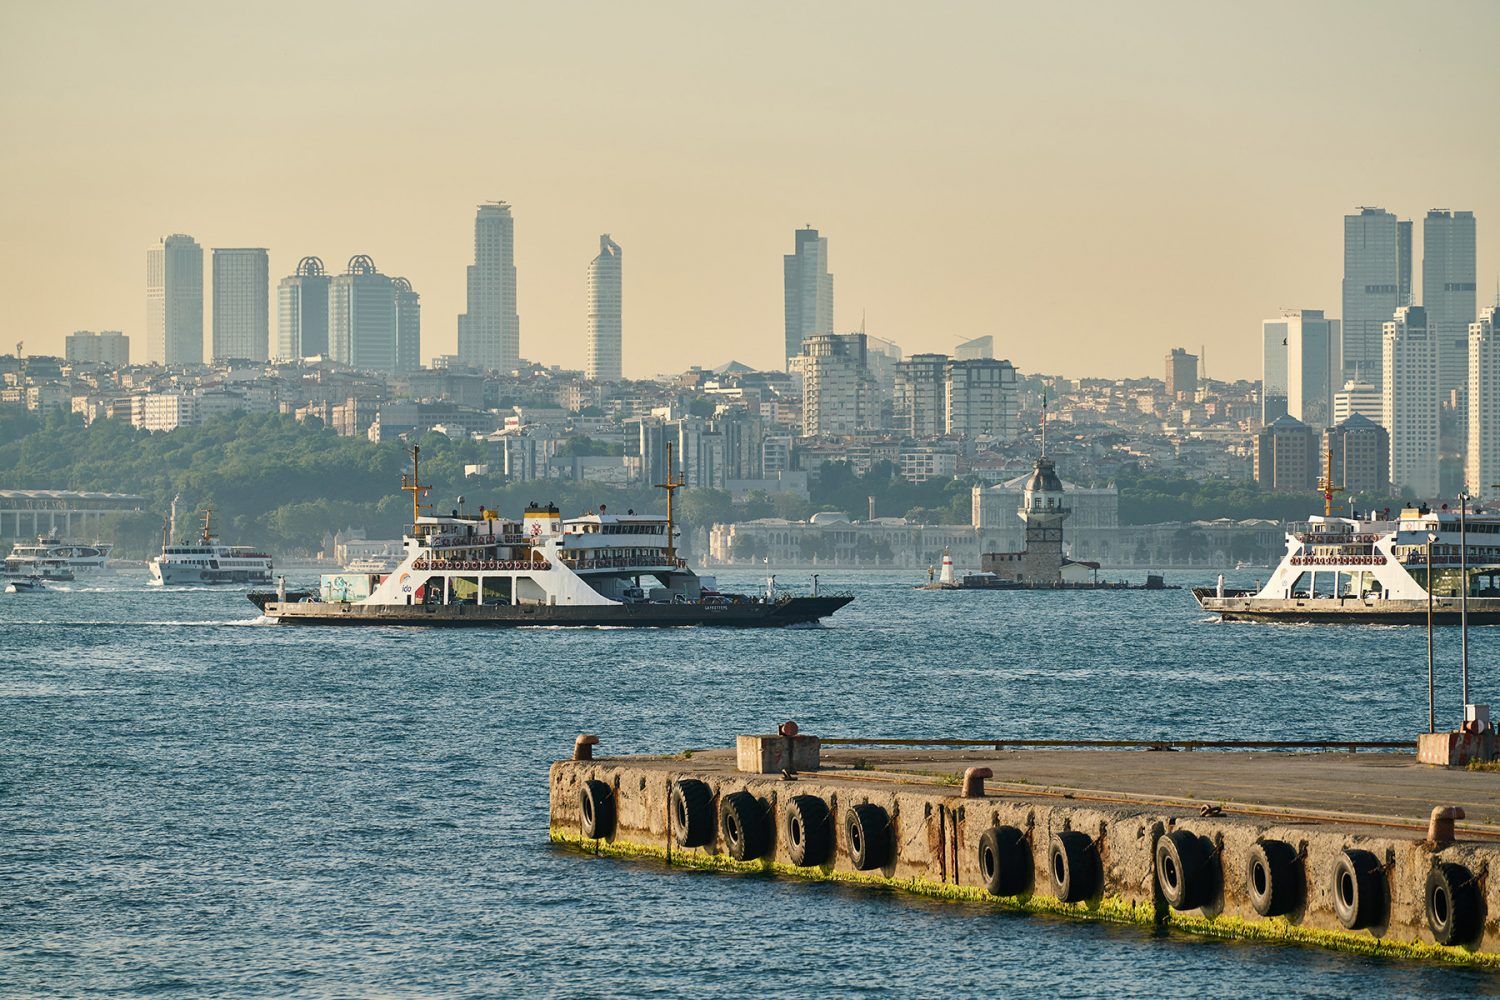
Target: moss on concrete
{"type": "Point", "coordinates": [1115, 909]}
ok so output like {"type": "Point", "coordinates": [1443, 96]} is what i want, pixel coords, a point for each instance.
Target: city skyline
{"type": "Point", "coordinates": [930, 239]}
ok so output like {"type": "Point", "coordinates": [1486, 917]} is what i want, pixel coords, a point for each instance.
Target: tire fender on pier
{"type": "Point", "coordinates": [692, 812]}
{"type": "Point", "coordinates": [1358, 889]}
{"type": "Point", "coordinates": [867, 831]}
{"type": "Point", "coordinates": [1273, 878]}
{"type": "Point", "coordinates": [1005, 861]}
{"type": "Point", "coordinates": [809, 831]}
{"type": "Point", "coordinates": [1184, 872]}
{"type": "Point", "coordinates": [1073, 863]}
{"type": "Point", "coordinates": [745, 825]}
{"type": "Point", "coordinates": [596, 803]}
{"type": "Point", "coordinates": [1452, 903]}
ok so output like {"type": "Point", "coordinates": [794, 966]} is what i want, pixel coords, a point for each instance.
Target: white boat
{"type": "Point", "coordinates": [24, 585]}
{"type": "Point", "coordinates": [208, 560]}
{"type": "Point", "coordinates": [373, 564]}
{"type": "Point", "coordinates": [47, 555]}
{"type": "Point", "coordinates": [1375, 568]}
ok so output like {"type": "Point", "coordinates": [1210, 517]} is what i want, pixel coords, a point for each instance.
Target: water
{"type": "Point", "coordinates": [195, 804]}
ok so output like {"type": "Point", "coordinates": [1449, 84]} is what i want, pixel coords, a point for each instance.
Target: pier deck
{"type": "Point", "coordinates": [1355, 868]}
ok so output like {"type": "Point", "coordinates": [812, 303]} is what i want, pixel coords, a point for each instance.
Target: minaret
{"type": "Point", "coordinates": [1044, 508]}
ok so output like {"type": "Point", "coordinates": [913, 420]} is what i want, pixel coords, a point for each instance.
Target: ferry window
{"type": "Point", "coordinates": [496, 590]}
{"type": "Point", "coordinates": [1303, 586]}
{"type": "Point", "coordinates": [463, 590]}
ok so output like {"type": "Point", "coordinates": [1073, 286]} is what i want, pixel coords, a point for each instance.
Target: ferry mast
{"type": "Point", "coordinates": [1326, 483]}
{"type": "Point", "coordinates": [672, 485]}
{"type": "Point", "coordinates": [413, 484]}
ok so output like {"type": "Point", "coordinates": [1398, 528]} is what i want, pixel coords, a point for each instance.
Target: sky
{"type": "Point", "coordinates": [1090, 183]}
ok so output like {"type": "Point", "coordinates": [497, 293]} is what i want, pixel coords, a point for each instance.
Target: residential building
{"type": "Point", "coordinates": [603, 363]}
{"type": "Point", "coordinates": [921, 407]}
{"type": "Point", "coordinates": [919, 463]}
{"type": "Point", "coordinates": [975, 350]}
{"type": "Point", "coordinates": [107, 347]}
{"type": "Point", "coordinates": [1448, 290]}
{"type": "Point", "coordinates": [408, 306]}
{"type": "Point", "coordinates": [1482, 464]}
{"type": "Point", "coordinates": [838, 393]}
{"type": "Point", "coordinates": [489, 332]}
{"type": "Point", "coordinates": [302, 312]}
{"type": "Point", "coordinates": [1358, 397]}
{"type": "Point", "coordinates": [174, 302]}
{"type": "Point", "coordinates": [362, 317]}
{"type": "Point", "coordinates": [1359, 451]}
{"type": "Point", "coordinates": [809, 291]}
{"type": "Point", "coordinates": [1377, 280]}
{"type": "Point", "coordinates": [1182, 374]}
{"type": "Point", "coordinates": [167, 411]}
{"type": "Point", "coordinates": [1286, 456]}
{"type": "Point", "coordinates": [241, 297]}
{"type": "Point", "coordinates": [982, 400]}
{"type": "Point", "coordinates": [1410, 401]}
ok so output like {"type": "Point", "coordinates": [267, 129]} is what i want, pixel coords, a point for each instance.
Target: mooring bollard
{"type": "Point", "coordinates": [583, 747]}
{"type": "Point", "coordinates": [974, 782]}
{"type": "Point", "coordinates": [1440, 826]}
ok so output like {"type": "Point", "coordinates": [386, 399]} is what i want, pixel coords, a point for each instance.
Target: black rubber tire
{"type": "Point", "coordinates": [1452, 904]}
{"type": "Point", "coordinates": [692, 813]}
{"type": "Point", "coordinates": [809, 831]}
{"type": "Point", "coordinates": [867, 831]}
{"type": "Point", "coordinates": [1358, 889]}
{"type": "Point", "coordinates": [596, 801]}
{"type": "Point", "coordinates": [1273, 878]}
{"type": "Point", "coordinates": [1183, 870]}
{"type": "Point", "coordinates": [1004, 861]}
{"type": "Point", "coordinates": [744, 826]}
{"type": "Point", "coordinates": [1073, 864]}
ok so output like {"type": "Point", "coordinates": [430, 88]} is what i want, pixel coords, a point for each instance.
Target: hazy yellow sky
{"type": "Point", "coordinates": [1090, 183]}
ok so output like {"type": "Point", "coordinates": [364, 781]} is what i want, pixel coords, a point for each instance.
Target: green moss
{"type": "Point", "coordinates": [1115, 909]}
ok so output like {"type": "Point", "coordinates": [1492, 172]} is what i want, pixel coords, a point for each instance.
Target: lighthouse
{"type": "Point", "coordinates": [1044, 508]}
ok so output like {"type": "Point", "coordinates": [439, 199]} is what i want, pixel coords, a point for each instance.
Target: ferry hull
{"type": "Point", "coordinates": [1334, 611]}
{"type": "Point", "coordinates": [791, 611]}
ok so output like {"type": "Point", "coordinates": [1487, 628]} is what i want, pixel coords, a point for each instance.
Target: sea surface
{"type": "Point", "coordinates": [196, 803]}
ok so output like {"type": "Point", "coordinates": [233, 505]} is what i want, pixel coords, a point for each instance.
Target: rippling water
{"type": "Point", "coordinates": [193, 803]}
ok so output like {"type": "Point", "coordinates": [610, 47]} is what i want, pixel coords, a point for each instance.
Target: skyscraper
{"type": "Point", "coordinates": [1482, 463]}
{"type": "Point", "coordinates": [1377, 280]}
{"type": "Point", "coordinates": [408, 306]}
{"type": "Point", "coordinates": [302, 311]}
{"type": "Point", "coordinates": [604, 342]}
{"type": "Point", "coordinates": [975, 349]}
{"type": "Point", "coordinates": [1448, 290]}
{"type": "Point", "coordinates": [1312, 366]}
{"type": "Point", "coordinates": [1182, 373]}
{"type": "Point", "coordinates": [1410, 402]}
{"type": "Point", "coordinates": [489, 333]}
{"type": "Point", "coordinates": [362, 317]}
{"type": "Point", "coordinates": [921, 404]}
{"type": "Point", "coordinates": [174, 301]}
{"type": "Point", "coordinates": [981, 399]}
{"type": "Point", "coordinates": [809, 291]}
{"type": "Point", "coordinates": [839, 395]}
{"type": "Point", "coordinates": [242, 284]}
{"type": "Point", "coordinates": [1273, 336]}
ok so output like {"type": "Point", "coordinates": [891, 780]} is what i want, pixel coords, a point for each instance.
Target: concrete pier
{"type": "Point", "coordinates": [1336, 849]}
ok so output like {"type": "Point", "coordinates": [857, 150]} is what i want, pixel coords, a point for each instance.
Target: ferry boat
{"type": "Point", "coordinates": [486, 570]}
{"type": "Point", "coordinates": [1378, 570]}
{"type": "Point", "coordinates": [207, 560]}
{"type": "Point", "coordinates": [55, 559]}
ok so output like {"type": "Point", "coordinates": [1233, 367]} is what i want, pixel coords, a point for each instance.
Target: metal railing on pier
{"type": "Point", "coordinates": [1145, 743]}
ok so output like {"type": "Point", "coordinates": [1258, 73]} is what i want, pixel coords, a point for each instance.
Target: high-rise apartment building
{"type": "Point", "coordinates": [1286, 456]}
{"type": "Point", "coordinates": [604, 335]}
{"type": "Point", "coordinates": [1273, 336]}
{"type": "Point", "coordinates": [362, 317]}
{"type": "Point", "coordinates": [1358, 397]}
{"type": "Point", "coordinates": [107, 347]}
{"type": "Point", "coordinates": [1182, 374]}
{"type": "Point", "coordinates": [302, 311]}
{"type": "Point", "coordinates": [1482, 463]}
{"type": "Point", "coordinates": [489, 332]}
{"type": "Point", "coordinates": [241, 296]}
{"type": "Point", "coordinates": [1313, 368]}
{"type": "Point", "coordinates": [838, 393]}
{"type": "Point", "coordinates": [1448, 290]}
{"type": "Point", "coordinates": [809, 291]}
{"type": "Point", "coordinates": [408, 306]}
{"type": "Point", "coordinates": [982, 400]}
{"type": "Point", "coordinates": [1360, 453]}
{"type": "Point", "coordinates": [1410, 401]}
{"type": "Point", "coordinates": [921, 408]}
{"type": "Point", "coordinates": [1377, 280]}
{"type": "Point", "coordinates": [174, 301]}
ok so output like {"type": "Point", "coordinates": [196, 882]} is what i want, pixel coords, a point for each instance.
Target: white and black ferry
{"type": "Point", "coordinates": [487, 570]}
{"type": "Point", "coordinates": [1378, 569]}
{"type": "Point", "coordinates": [50, 558]}
{"type": "Point", "coordinates": [206, 560]}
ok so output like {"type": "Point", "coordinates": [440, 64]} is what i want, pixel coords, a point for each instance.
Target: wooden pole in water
{"type": "Point", "coordinates": [1431, 708]}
